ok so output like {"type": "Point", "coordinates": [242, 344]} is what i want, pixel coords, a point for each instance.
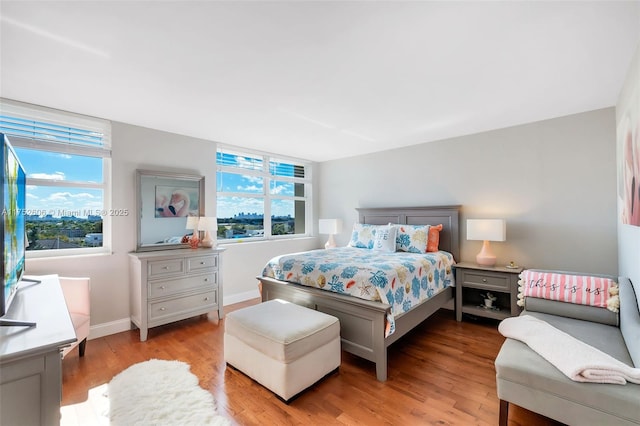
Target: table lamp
{"type": "Point", "coordinates": [486, 230]}
{"type": "Point", "coordinates": [331, 227]}
{"type": "Point", "coordinates": [192, 223]}
{"type": "Point", "coordinates": [207, 224]}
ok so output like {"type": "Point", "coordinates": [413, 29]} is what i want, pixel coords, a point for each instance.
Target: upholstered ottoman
{"type": "Point", "coordinates": [283, 346]}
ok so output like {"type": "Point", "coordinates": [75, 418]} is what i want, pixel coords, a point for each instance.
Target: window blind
{"type": "Point", "coordinates": [68, 132]}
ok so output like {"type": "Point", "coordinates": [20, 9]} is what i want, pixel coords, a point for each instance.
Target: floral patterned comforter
{"type": "Point", "coordinates": [401, 280]}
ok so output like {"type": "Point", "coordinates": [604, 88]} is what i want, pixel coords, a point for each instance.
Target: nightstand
{"type": "Point", "coordinates": [473, 280]}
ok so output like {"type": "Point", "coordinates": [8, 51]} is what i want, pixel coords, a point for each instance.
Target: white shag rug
{"type": "Point", "coordinates": [160, 392]}
{"type": "Point", "coordinates": [153, 392]}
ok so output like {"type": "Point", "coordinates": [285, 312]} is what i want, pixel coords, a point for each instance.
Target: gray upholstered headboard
{"type": "Point", "coordinates": [448, 216]}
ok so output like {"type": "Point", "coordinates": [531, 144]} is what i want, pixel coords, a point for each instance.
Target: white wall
{"type": "Point", "coordinates": [554, 182]}
{"type": "Point", "coordinates": [629, 107]}
{"type": "Point", "coordinates": [141, 148]}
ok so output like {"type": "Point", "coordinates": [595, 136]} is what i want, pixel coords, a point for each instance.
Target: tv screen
{"type": "Point", "coordinates": [13, 222]}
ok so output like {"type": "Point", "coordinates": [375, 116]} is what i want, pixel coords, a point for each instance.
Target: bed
{"type": "Point", "coordinates": [363, 323]}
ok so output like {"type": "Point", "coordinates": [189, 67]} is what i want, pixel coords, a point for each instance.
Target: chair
{"type": "Point", "coordinates": [77, 295]}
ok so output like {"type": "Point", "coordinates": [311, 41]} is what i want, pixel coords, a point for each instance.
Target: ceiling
{"type": "Point", "coordinates": [318, 80]}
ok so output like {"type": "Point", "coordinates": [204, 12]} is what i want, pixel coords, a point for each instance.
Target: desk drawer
{"type": "Point", "coordinates": [161, 268]}
{"type": "Point", "coordinates": [202, 262]}
{"type": "Point", "coordinates": [180, 285]}
{"type": "Point", "coordinates": [486, 280]}
{"type": "Point", "coordinates": [168, 308]}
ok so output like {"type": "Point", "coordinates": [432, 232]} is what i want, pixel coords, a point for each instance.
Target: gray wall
{"type": "Point", "coordinates": [554, 182]}
{"type": "Point", "coordinates": [629, 236]}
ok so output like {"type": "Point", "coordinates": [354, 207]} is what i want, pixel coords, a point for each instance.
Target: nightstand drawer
{"type": "Point", "coordinates": [486, 280]}
{"type": "Point", "coordinates": [181, 285]}
{"type": "Point", "coordinates": [202, 262]}
{"type": "Point", "coordinates": [161, 268]}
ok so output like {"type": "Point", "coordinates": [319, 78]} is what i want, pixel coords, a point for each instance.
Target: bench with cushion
{"type": "Point", "coordinates": [526, 379]}
{"type": "Point", "coordinates": [283, 346]}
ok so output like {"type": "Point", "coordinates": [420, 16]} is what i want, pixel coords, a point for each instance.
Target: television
{"type": "Point", "coordinates": [13, 196]}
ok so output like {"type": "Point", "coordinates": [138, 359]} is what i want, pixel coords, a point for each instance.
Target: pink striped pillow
{"type": "Point", "coordinates": [578, 289]}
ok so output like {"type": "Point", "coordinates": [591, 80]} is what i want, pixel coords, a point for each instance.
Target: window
{"type": "Point", "coordinates": [260, 196]}
{"type": "Point", "coordinates": [67, 160]}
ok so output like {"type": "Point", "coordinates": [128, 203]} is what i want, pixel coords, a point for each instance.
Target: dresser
{"type": "Point", "coordinates": [30, 357]}
{"type": "Point", "coordinates": [172, 285]}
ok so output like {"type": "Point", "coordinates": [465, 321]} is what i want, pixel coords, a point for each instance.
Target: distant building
{"type": "Point", "coordinates": [93, 240]}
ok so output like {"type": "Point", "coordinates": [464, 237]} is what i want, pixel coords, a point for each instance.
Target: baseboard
{"type": "Point", "coordinates": [107, 328]}
{"type": "Point", "coordinates": [241, 297]}
{"type": "Point", "coordinates": [118, 326]}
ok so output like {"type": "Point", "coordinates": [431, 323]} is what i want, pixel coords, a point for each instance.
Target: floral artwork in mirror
{"type": "Point", "coordinates": [165, 201]}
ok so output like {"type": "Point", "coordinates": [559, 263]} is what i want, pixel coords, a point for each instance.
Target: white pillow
{"type": "Point", "coordinates": [411, 238]}
{"type": "Point", "coordinates": [385, 239]}
{"type": "Point", "coordinates": [362, 235]}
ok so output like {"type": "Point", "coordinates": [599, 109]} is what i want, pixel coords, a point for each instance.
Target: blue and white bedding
{"type": "Point", "coordinates": [401, 280]}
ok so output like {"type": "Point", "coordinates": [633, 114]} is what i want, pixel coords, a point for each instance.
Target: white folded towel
{"type": "Point", "coordinates": [576, 359]}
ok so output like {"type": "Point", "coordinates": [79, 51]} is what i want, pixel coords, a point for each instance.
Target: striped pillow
{"type": "Point", "coordinates": [579, 289]}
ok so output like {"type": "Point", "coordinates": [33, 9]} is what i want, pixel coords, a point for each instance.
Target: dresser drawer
{"type": "Point", "coordinates": [161, 268]}
{"type": "Point", "coordinates": [177, 306]}
{"type": "Point", "coordinates": [180, 285]}
{"type": "Point", "coordinates": [486, 280]}
{"type": "Point", "coordinates": [202, 262]}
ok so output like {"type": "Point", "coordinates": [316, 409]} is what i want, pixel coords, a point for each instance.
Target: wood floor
{"type": "Point", "coordinates": [440, 373]}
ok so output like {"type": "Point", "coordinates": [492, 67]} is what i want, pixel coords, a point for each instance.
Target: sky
{"type": "Point", "coordinates": [62, 201]}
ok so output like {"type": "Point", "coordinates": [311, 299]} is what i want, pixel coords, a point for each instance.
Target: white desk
{"type": "Point", "coordinates": [30, 359]}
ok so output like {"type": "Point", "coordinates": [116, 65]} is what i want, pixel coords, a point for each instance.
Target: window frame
{"type": "Point", "coordinates": [266, 196]}
{"type": "Point", "coordinates": [76, 121]}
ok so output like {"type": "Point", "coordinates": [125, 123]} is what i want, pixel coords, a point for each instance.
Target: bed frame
{"type": "Point", "coordinates": [362, 322]}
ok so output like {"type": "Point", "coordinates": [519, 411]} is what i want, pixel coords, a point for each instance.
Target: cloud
{"type": "Point", "coordinates": [48, 176]}
{"type": "Point", "coordinates": [64, 196]}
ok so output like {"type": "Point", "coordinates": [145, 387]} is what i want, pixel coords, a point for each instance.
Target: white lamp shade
{"type": "Point", "coordinates": [330, 226]}
{"type": "Point", "coordinates": [208, 223]}
{"type": "Point", "coordinates": [486, 229]}
{"type": "Point", "coordinates": [192, 222]}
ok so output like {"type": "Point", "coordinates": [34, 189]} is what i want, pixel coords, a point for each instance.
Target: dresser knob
{"type": "Point", "coordinates": [202, 263]}
{"type": "Point", "coordinates": [206, 299]}
{"type": "Point", "coordinates": [165, 267]}
{"type": "Point", "coordinates": [206, 280]}
{"type": "Point", "coordinates": [162, 287]}
{"type": "Point", "coordinates": [163, 309]}
{"type": "Point", "coordinates": [484, 280]}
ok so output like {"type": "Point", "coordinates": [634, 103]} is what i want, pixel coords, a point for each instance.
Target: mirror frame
{"type": "Point", "coordinates": [178, 178]}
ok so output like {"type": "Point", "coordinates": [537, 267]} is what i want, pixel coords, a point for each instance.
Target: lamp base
{"type": "Point", "coordinates": [331, 243]}
{"type": "Point", "coordinates": [486, 256]}
{"type": "Point", "coordinates": [207, 241]}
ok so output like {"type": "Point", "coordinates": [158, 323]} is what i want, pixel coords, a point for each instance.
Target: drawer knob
{"type": "Point", "coordinates": [163, 309]}
{"type": "Point", "coordinates": [484, 280]}
{"type": "Point", "coordinates": [206, 280]}
{"type": "Point", "coordinates": [206, 299]}
{"type": "Point", "coordinates": [165, 267]}
{"type": "Point", "coordinates": [162, 287]}
{"type": "Point", "coordinates": [202, 263]}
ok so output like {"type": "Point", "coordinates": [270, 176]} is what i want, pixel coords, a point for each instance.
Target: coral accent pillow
{"type": "Point", "coordinates": [434, 238]}
{"type": "Point", "coordinates": [579, 289]}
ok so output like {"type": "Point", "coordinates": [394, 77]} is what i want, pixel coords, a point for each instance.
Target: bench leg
{"type": "Point", "coordinates": [504, 413]}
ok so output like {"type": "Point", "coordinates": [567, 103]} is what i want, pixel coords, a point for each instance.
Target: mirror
{"type": "Point", "coordinates": [165, 200]}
